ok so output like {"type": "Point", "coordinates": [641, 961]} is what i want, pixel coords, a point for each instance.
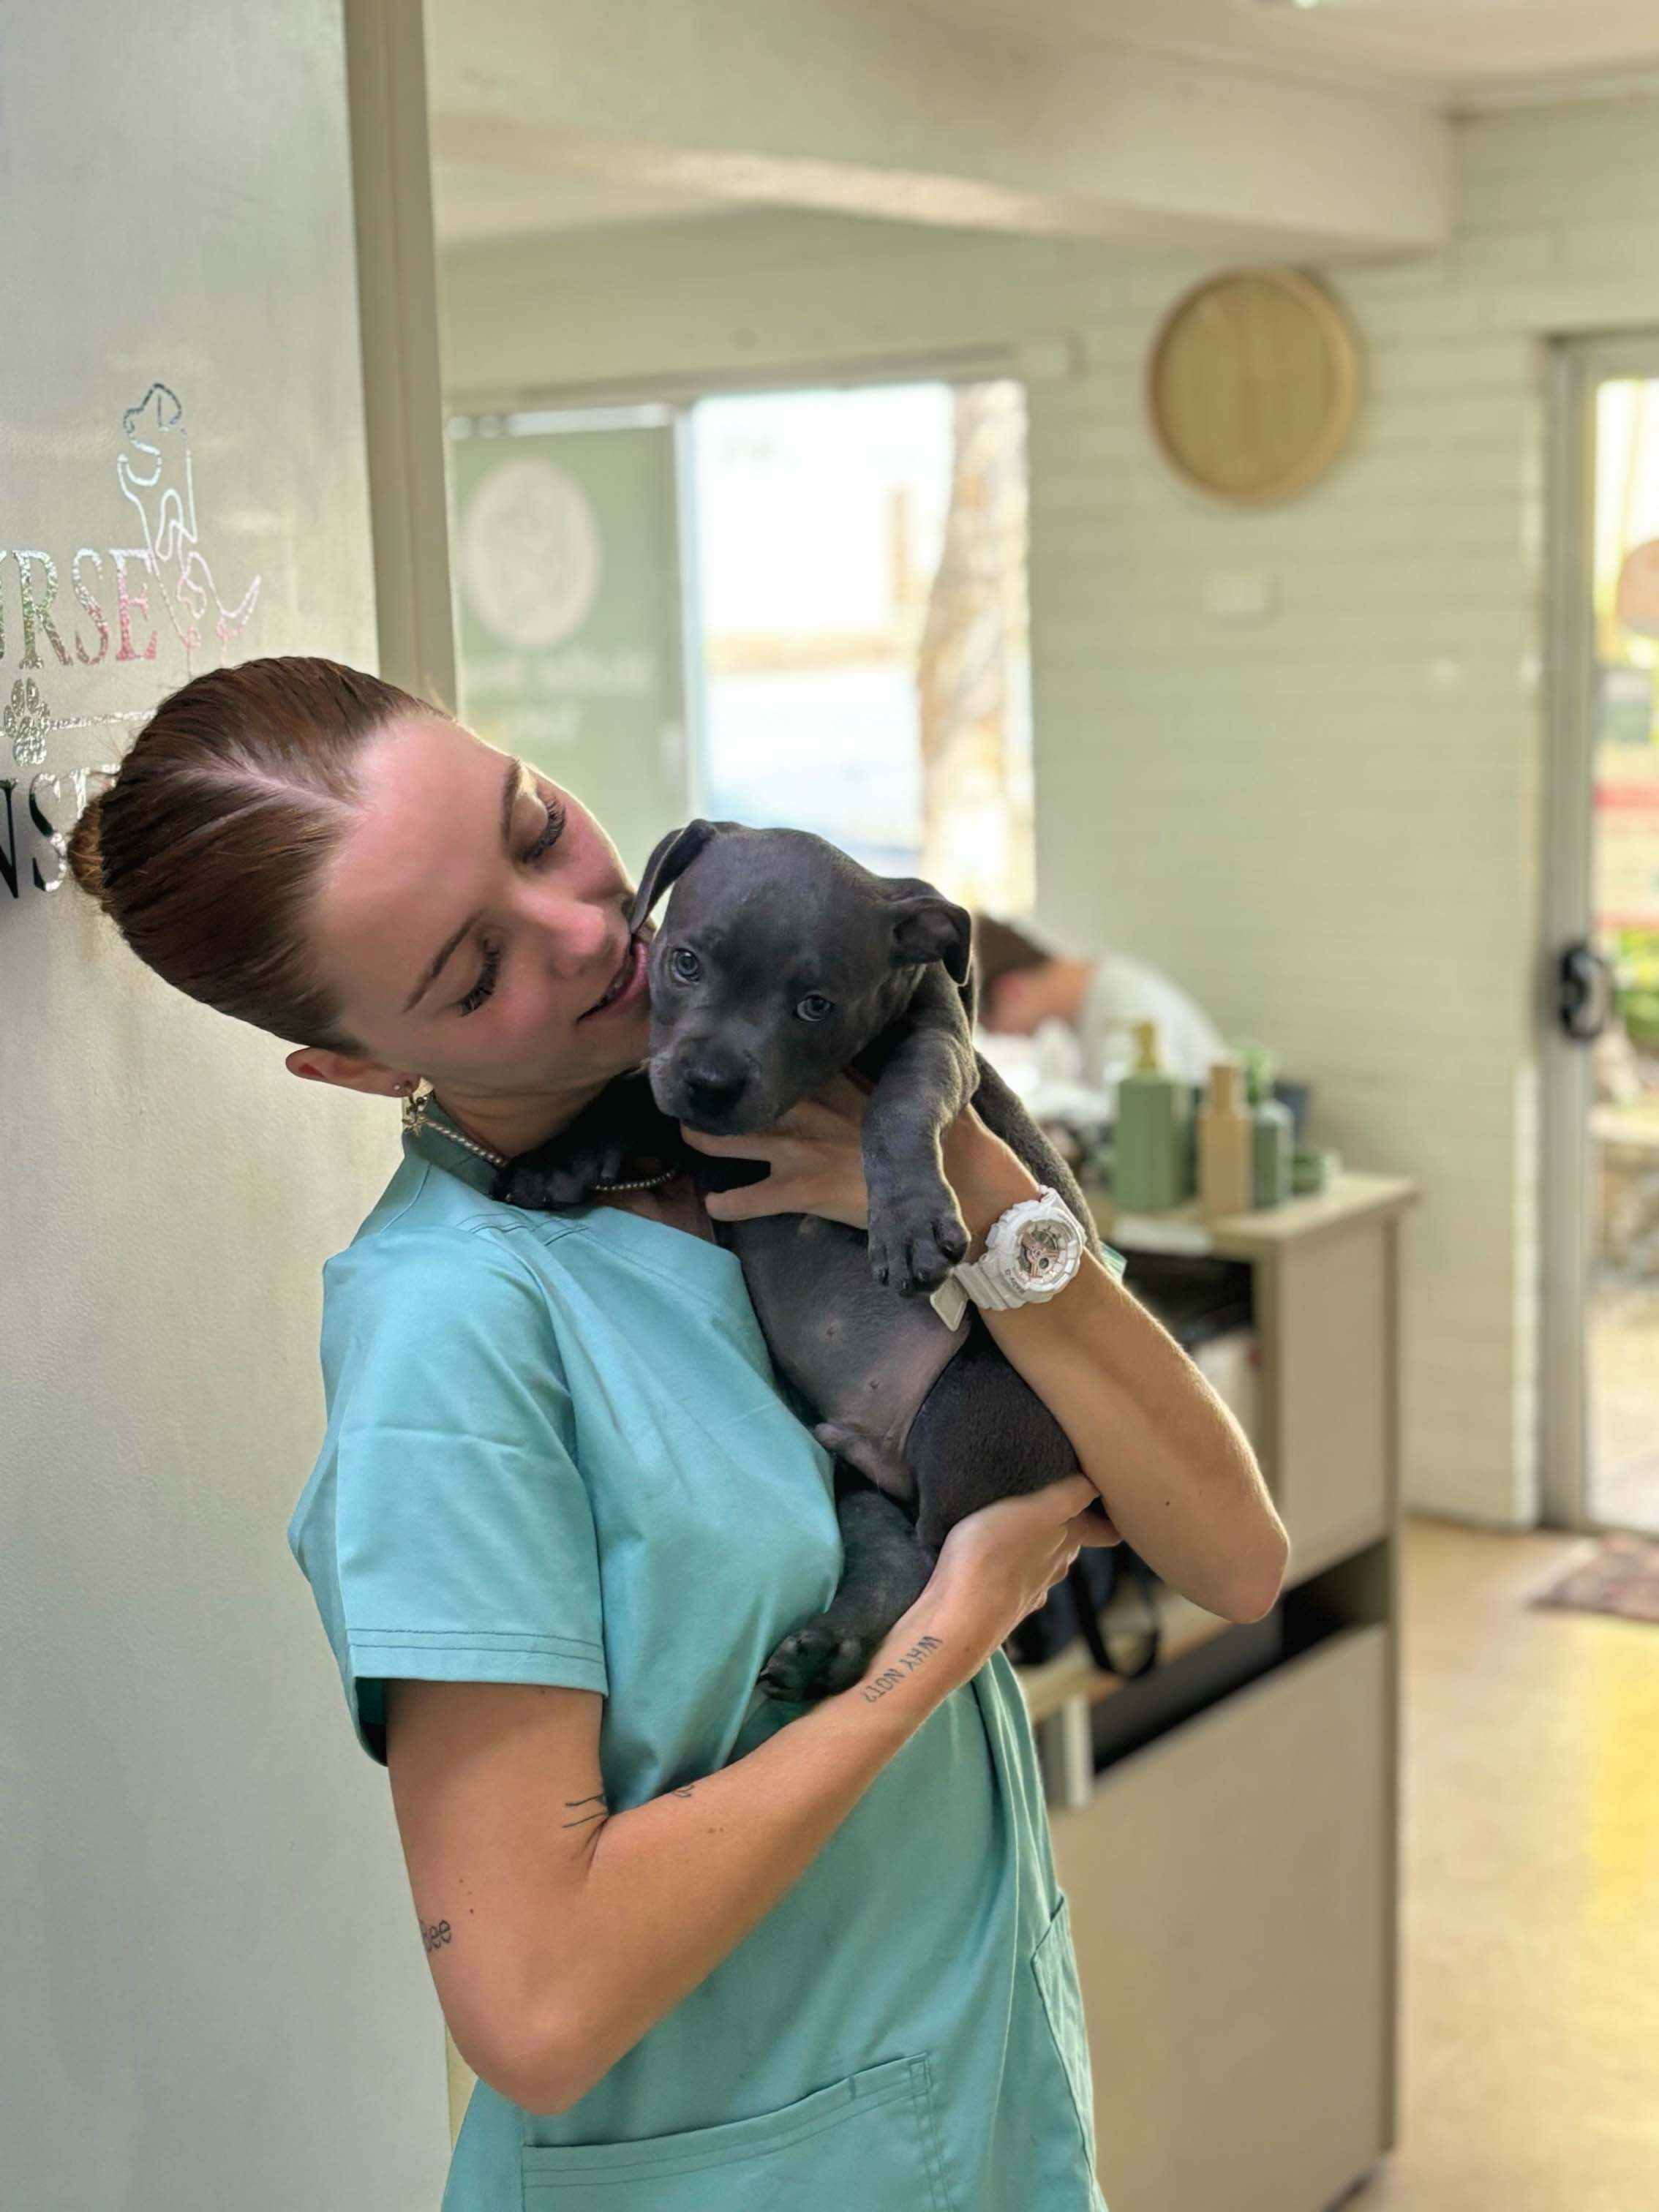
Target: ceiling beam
{"type": "Point", "coordinates": [865, 108]}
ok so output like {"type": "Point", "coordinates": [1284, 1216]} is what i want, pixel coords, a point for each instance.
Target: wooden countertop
{"type": "Point", "coordinates": [1257, 1234]}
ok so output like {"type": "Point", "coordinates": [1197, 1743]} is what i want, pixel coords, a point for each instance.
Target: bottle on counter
{"type": "Point", "coordinates": [1226, 1143]}
{"type": "Point", "coordinates": [1274, 1151]}
{"type": "Point", "coordinates": [1272, 1128]}
{"type": "Point", "coordinates": [1196, 1094]}
{"type": "Point", "coordinates": [1150, 1143]}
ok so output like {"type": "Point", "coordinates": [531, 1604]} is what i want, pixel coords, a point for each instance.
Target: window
{"type": "Point", "coordinates": [861, 607]}
{"type": "Point", "coordinates": [841, 605]}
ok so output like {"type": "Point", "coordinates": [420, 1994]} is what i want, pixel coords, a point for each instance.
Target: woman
{"type": "Point", "coordinates": [700, 1950]}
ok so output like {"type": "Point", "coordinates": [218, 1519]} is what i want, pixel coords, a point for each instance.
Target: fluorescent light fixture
{"type": "Point", "coordinates": [1459, 9]}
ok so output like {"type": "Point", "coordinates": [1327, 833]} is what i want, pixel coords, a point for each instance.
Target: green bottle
{"type": "Point", "coordinates": [1273, 1131]}
{"type": "Point", "coordinates": [1150, 1150]}
{"type": "Point", "coordinates": [1272, 1152]}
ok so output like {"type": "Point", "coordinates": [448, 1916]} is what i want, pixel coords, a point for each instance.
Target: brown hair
{"type": "Point", "coordinates": [1000, 949]}
{"type": "Point", "coordinates": [205, 848]}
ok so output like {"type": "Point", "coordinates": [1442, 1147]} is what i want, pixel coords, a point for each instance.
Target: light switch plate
{"type": "Point", "coordinates": [1239, 595]}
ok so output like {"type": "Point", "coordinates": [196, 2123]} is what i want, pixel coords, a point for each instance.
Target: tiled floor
{"type": "Point", "coordinates": [1531, 2044]}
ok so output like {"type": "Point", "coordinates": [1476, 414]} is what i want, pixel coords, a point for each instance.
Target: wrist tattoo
{"type": "Point", "coordinates": [920, 1652]}
{"type": "Point", "coordinates": [437, 1933]}
{"type": "Point", "coordinates": [575, 1805]}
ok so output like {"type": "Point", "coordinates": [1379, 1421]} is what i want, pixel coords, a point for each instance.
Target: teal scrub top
{"type": "Point", "coordinates": [556, 1453]}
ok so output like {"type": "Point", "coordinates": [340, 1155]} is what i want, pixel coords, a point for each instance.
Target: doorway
{"type": "Point", "coordinates": [1601, 1307]}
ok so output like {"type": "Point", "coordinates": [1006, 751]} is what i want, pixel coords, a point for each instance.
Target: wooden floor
{"type": "Point", "coordinates": [1531, 2047]}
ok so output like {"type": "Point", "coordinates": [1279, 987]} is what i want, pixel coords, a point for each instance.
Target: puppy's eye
{"type": "Point", "coordinates": [684, 964]}
{"type": "Point", "coordinates": [814, 1006]}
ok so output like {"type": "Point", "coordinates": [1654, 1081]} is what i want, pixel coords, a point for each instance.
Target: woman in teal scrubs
{"type": "Point", "coordinates": [705, 1952]}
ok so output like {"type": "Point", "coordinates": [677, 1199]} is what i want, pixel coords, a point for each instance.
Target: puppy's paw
{"type": "Point", "coordinates": [813, 1661]}
{"type": "Point", "coordinates": [914, 1246]}
{"type": "Point", "coordinates": [551, 1178]}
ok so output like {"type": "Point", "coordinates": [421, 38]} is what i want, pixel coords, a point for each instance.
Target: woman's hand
{"type": "Point", "coordinates": [816, 1161]}
{"type": "Point", "coordinates": [1005, 1557]}
{"type": "Point", "coordinates": [814, 1154]}
{"type": "Point", "coordinates": [997, 1564]}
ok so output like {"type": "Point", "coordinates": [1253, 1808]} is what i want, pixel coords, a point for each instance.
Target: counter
{"type": "Point", "coordinates": [1229, 1843]}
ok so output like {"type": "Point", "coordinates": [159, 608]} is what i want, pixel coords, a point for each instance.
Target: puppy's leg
{"type": "Point", "coordinates": [882, 1573]}
{"type": "Point", "coordinates": [878, 1458]}
{"type": "Point", "coordinates": [928, 1073]}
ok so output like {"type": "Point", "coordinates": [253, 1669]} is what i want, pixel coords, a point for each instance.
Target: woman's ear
{"type": "Point", "coordinates": [315, 1063]}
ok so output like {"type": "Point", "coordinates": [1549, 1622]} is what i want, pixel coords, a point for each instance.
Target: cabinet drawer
{"type": "Point", "coordinates": [1231, 1908]}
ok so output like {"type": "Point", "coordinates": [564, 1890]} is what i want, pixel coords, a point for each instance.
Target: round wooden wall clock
{"type": "Point", "coordinates": [1253, 384]}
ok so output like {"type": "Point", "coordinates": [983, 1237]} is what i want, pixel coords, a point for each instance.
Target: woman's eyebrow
{"type": "Point", "coordinates": [438, 964]}
{"type": "Point", "coordinates": [510, 789]}
{"type": "Point", "coordinates": [512, 785]}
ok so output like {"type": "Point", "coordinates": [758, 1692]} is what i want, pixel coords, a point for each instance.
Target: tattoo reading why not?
{"type": "Point", "coordinates": [908, 1665]}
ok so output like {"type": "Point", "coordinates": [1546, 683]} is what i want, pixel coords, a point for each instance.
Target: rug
{"type": "Point", "coordinates": [1617, 1574]}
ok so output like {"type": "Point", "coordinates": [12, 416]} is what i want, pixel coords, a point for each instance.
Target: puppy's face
{"type": "Point", "coordinates": [773, 967]}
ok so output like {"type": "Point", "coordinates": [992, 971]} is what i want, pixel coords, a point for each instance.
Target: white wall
{"type": "Point", "coordinates": [214, 1991]}
{"type": "Point", "coordinates": [1328, 826]}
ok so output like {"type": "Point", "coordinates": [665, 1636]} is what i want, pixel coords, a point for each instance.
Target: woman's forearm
{"type": "Point", "coordinates": [673, 1885]}
{"type": "Point", "coordinates": [1172, 1464]}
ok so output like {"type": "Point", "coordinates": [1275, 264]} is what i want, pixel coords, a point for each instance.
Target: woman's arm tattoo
{"type": "Point", "coordinates": [575, 1805]}
{"type": "Point", "coordinates": [910, 1661]}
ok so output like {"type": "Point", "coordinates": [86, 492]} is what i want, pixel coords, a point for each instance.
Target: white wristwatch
{"type": "Point", "coordinates": [1032, 1252]}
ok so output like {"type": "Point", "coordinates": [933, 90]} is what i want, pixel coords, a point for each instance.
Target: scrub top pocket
{"type": "Point", "coordinates": [868, 2140]}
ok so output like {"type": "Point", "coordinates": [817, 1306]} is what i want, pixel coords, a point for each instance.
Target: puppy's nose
{"type": "Point", "coordinates": [712, 1091]}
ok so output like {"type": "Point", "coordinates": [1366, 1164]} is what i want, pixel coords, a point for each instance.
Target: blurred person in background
{"type": "Point", "coordinates": [1024, 983]}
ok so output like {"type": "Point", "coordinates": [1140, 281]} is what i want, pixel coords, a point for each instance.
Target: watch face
{"type": "Point", "coordinates": [1043, 1252]}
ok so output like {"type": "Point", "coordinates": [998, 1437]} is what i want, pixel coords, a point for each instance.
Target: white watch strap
{"type": "Point", "coordinates": [983, 1286]}
{"type": "Point", "coordinates": [950, 1301]}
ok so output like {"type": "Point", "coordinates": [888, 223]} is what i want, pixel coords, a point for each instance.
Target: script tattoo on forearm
{"type": "Point", "coordinates": [574, 1804]}
{"type": "Point", "coordinates": [910, 1661]}
{"type": "Point", "coordinates": [438, 1933]}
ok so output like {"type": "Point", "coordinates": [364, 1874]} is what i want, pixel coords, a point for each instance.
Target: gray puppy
{"type": "Point", "coordinates": [780, 962]}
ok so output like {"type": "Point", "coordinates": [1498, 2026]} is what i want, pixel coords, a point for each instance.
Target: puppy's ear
{"type": "Point", "coordinates": [927, 927]}
{"type": "Point", "coordinates": [672, 855]}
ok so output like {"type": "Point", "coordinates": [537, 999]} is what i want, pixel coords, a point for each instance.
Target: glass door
{"type": "Point", "coordinates": [1602, 1157]}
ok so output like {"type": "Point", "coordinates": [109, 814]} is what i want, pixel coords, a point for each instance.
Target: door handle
{"type": "Point", "coordinates": [1584, 992]}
